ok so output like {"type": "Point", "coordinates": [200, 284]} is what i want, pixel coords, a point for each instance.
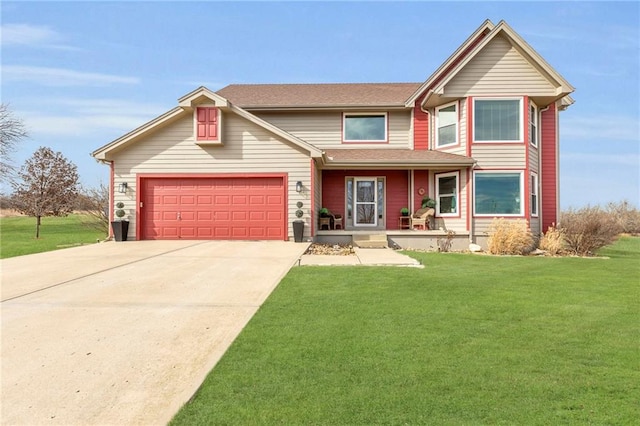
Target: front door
{"type": "Point", "coordinates": [365, 202]}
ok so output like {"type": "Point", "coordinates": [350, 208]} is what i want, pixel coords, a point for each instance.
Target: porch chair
{"type": "Point", "coordinates": [421, 218]}
{"type": "Point", "coordinates": [331, 221]}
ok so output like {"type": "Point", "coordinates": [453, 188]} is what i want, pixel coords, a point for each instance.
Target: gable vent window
{"type": "Point", "coordinates": [207, 123]}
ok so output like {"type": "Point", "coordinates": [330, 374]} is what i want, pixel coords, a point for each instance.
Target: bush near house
{"type": "Point", "coordinates": [510, 237]}
{"type": "Point", "coordinates": [587, 229]}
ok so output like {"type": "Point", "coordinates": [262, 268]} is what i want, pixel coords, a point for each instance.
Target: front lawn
{"type": "Point", "coordinates": [468, 340]}
{"type": "Point", "coordinates": [17, 234]}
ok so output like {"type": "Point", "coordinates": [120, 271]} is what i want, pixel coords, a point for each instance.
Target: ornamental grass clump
{"type": "Point", "coordinates": [553, 241]}
{"type": "Point", "coordinates": [511, 237]}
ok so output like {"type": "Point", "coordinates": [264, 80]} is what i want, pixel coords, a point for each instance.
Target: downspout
{"type": "Point", "coordinates": [540, 195]}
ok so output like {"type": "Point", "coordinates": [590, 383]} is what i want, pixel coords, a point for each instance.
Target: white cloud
{"type": "Point", "coordinates": [601, 127]}
{"type": "Point", "coordinates": [81, 117]}
{"type": "Point", "coordinates": [32, 35]}
{"type": "Point", "coordinates": [61, 77]}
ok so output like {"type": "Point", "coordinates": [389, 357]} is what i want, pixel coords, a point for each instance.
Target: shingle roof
{"type": "Point", "coordinates": [401, 156]}
{"type": "Point", "coordinates": [318, 95]}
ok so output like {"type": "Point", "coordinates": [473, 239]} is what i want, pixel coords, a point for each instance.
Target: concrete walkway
{"type": "Point", "coordinates": [363, 256]}
{"type": "Point", "coordinates": [125, 333]}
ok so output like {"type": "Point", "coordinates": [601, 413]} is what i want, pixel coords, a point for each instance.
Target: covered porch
{"type": "Point", "coordinates": [367, 189]}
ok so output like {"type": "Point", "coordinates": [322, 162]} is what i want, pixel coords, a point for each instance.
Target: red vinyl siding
{"type": "Point", "coordinates": [397, 187]}
{"type": "Point", "coordinates": [549, 168]}
{"type": "Point", "coordinates": [420, 127]}
{"type": "Point", "coordinates": [420, 180]}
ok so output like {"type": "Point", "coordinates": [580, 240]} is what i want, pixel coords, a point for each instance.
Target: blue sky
{"type": "Point", "coordinates": [81, 74]}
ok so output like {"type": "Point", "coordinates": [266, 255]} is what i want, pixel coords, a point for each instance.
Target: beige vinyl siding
{"type": "Point", "coordinates": [247, 149]}
{"type": "Point", "coordinates": [535, 227]}
{"type": "Point", "coordinates": [499, 69]}
{"type": "Point", "coordinates": [323, 129]}
{"type": "Point", "coordinates": [499, 155]}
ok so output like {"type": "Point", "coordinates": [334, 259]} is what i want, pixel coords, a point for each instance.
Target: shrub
{"type": "Point", "coordinates": [553, 241]}
{"type": "Point", "coordinates": [626, 216]}
{"type": "Point", "coordinates": [588, 229]}
{"type": "Point", "coordinates": [509, 237]}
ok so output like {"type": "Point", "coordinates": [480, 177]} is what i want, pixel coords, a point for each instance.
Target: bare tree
{"type": "Point", "coordinates": [12, 131]}
{"type": "Point", "coordinates": [47, 185]}
{"type": "Point", "coordinates": [95, 202]}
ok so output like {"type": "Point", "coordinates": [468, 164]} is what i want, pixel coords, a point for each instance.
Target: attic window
{"type": "Point", "coordinates": [364, 127]}
{"type": "Point", "coordinates": [207, 120]}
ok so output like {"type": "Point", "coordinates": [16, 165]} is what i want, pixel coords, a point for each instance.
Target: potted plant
{"type": "Point", "coordinates": [120, 226]}
{"type": "Point", "coordinates": [428, 202]}
{"type": "Point", "coordinates": [298, 224]}
{"type": "Point", "coordinates": [404, 211]}
{"type": "Point", "coordinates": [324, 212]}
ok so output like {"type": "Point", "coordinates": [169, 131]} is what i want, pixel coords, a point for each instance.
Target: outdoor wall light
{"type": "Point", "coordinates": [122, 188]}
{"type": "Point", "coordinates": [299, 186]}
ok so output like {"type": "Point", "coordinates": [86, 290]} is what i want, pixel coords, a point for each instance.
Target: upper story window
{"type": "Point", "coordinates": [364, 127]}
{"type": "Point", "coordinates": [447, 125]}
{"type": "Point", "coordinates": [207, 121]}
{"type": "Point", "coordinates": [447, 194]}
{"type": "Point", "coordinates": [497, 120]}
{"type": "Point", "coordinates": [533, 124]}
{"type": "Point", "coordinates": [498, 193]}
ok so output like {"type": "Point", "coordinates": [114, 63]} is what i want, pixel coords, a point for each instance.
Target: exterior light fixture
{"type": "Point", "coordinates": [122, 188]}
{"type": "Point", "coordinates": [299, 186]}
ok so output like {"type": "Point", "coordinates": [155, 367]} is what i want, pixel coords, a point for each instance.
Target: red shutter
{"type": "Point", "coordinates": [207, 123]}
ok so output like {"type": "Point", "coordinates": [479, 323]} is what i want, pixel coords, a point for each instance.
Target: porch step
{"type": "Point", "coordinates": [370, 240]}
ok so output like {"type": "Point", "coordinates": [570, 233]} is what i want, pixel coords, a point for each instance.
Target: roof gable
{"type": "Point", "coordinates": [478, 56]}
{"type": "Point", "coordinates": [186, 104]}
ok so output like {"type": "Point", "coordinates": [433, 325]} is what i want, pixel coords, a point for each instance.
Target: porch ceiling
{"type": "Point", "coordinates": [393, 158]}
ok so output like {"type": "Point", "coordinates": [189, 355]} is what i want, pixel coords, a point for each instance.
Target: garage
{"type": "Point", "coordinates": [213, 208]}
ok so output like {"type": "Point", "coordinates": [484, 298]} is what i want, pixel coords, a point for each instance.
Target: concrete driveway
{"type": "Point", "coordinates": [124, 333]}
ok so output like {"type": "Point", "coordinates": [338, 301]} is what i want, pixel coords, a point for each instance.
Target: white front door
{"type": "Point", "coordinates": [365, 198]}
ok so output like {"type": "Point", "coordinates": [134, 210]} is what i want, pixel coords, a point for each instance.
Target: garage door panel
{"type": "Point", "coordinates": [213, 208]}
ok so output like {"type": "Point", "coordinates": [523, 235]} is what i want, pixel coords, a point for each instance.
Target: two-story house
{"type": "Point", "coordinates": [480, 136]}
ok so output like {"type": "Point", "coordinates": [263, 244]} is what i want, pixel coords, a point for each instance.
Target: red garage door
{"type": "Point", "coordinates": [250, 208]}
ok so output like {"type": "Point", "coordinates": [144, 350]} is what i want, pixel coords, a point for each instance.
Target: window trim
{"type": "Point", "coordinates": [534, 191]}
{"type": "Point", "coordinates": [365, 114]}
{"type": "Point", "coordinates": [456, 194]}
{"type": "Point", "coordinates": [534, 120]}
{"type": "Point", "coordinates": [501, 171]}
{"type": "Point", "coordinates": [521, 119]}
{"type": "Point", "coordinates": [457, 125]}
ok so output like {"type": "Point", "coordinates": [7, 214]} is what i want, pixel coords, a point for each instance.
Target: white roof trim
{"type": "Point", "coordinates": [100, 153]}
{"type": "Point", "coordinates": [563, 86]}
{"type": "Point", "coordinates": [186, 103]}
{"type": "Point", "coordinates": [487, 25]}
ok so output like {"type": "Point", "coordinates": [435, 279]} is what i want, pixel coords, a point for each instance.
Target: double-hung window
{"type": "Point", "coordinates": [498, 193]}
{"type": "Point", "coordinates": [447, 194]}
{"type": "Point", "coordinates": [533, 188]}
{"type": "Point", "coordinates": [447, 125]}
{"type": "Point", "coordinates": [364, 127]}
{"type": "Point", "coordinates": [497, 120]}
{"type": "Point", "coordinates": [533, 124]}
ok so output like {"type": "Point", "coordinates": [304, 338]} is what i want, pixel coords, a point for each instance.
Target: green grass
{"type": "Point", "coordinates": [17, 234]}
{"type": "Point", "coordinates": [468, 340]}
